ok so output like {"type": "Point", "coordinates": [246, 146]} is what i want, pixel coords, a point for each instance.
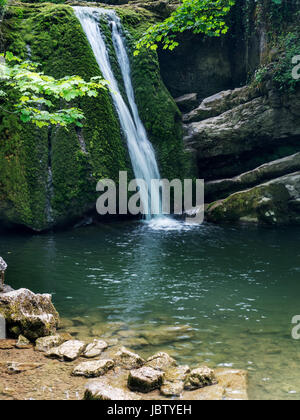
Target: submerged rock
{"type": "Point", "coordinates": [68, 351]}
{"type": "Point", "coordinates": [145, 379]}
{"type": "Point", "coordinates": [95, 348]}
{"type": "Point", "coordinates": [127, 359]}
{"type": "Point", "coordinates": [161, 361]}
{"type": "Point", "coordinates": [94, 368]}
{"type": "Point", "coordinates": [199, 378]}
{"type": "Point", "coordinates": [97, 390]}
{"type": "Point", "coordinates": [32, 315]}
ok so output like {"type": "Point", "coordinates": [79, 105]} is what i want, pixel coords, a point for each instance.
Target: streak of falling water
{"type": "Point", "coordinates": [140, 149]}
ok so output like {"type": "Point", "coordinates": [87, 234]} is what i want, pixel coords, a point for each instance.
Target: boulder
{"type": "Point", "coordinates": [94, 368]}
{"type": "Point", "coordinates": [127, 359]}
{"type": "Point", "coordinates": [68, 351]}
{"type": "Point", "coordinates": [95, 348]}
{"type": "Point", "coordinates": [98, 390]}
{"type": "Point", "coordinates": [187, 102]}
{"type": "Point", "coordinates": [270, 203]}
{"type": "Point", "coordinates": [145, 379]}
{"type": "Point", "coordinates": [160, 361]}
{"type": "Point", "coordinates": [32, 315]}
{"type": "Point", "coordinates": [199, 378]}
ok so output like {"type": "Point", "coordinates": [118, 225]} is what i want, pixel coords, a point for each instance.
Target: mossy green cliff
{"type": "Point", "coordinates": [48, 176]}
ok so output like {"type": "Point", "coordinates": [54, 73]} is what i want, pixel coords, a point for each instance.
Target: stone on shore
{"type": "Point", "coordinates": [68, 351]}
{"type": "Point", "coordinates": [98, 390]}
{"type": "Point", "coordinates": [94, 368]}
{"type": "Point", "coordinates": [199, 378]}
{"type": "Point", "coordinates": [127, 359]}
{"type": "Point", "coordinates": [95, 348]}
{"type": "Point", "coordinates": [161, 361]}
{"type": "Point", "coordinates": [32, 315]}
{"type": "Point", "coordinates": [145, 379]}
{"type": "Point", "coordinates": [45, 344]}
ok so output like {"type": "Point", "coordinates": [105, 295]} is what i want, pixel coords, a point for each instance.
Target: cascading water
{"type": "Point", "coordinates": [140, 149]}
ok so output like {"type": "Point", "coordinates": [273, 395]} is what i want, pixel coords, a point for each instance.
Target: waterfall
{"type": "Point", "coordinates": [140, 149]}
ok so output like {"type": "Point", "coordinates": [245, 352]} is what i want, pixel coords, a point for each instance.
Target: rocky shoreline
{"type": "Point", "coordinates": [44, 361]}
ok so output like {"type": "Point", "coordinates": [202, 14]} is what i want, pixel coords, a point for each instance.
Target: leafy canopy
{"type": "Point", "coordinates": [34, 93]}
{"type": "Point", "coordinates": [199, 16]}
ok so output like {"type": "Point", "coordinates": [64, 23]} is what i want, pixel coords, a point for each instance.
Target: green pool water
{"type": "Point", "coordinates": [223, 296]}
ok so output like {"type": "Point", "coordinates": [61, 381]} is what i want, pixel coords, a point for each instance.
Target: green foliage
{"type": "Point", "coordinates": [282, 69]}
{"type": "Point", "coordinates": [36, 90]}
{"type": "Point", "coordinates": [199, 16]}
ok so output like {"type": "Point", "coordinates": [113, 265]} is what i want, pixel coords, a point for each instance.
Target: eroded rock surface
{"type": "Point", "coordinates": [45, 344]}
{"type": "Point", "coordinates": [97, 390]}
{"type": "Point", "coordinates": [127, 359]}
{"type": "Point", "coordinates": [94, 368]}
{"type": "Point", "coordinates": [145, 379]}
{"type": "Point", "coordinates": [161, 361]}
{"type": "Point", "coordinates": [69, 351]}
{"type": "Point", "coordinates": [200, 378]}
{"type": "Point", "coordinates": [95, 348]}
{"type": "Point", "coordinates": [32, 315]}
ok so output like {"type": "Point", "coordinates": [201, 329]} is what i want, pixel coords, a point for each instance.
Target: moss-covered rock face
{"type": "Point", "coordinates": [272, 203]}
{"type": "Point", "coordinates": [48, 177]}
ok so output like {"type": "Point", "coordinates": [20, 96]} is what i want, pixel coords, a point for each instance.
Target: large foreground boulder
{"type": "Point", "coordinates": [32, 315]}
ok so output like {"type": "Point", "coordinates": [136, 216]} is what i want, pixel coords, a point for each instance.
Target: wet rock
{"type": "Point", "coordinates": [23, 343]}
{"type": "Point", "coordinates": [32, 315]}
{"type": "Point", "coordinates": [69, 351]}
{"type": "Point", "coordinates": [187, 102]}
{"type": "Point", "coordinates": [95, 348]}
{"type": "Point", "coordinates": [173, 381]}
{"type": "Point", "coordinates": [127, 359]}
{"type": "Point", "coordinates": [45, 344]}
{"type": "Point", "coordinates": [94, 368]}
{"type": "Point", "coordinates": [97, 390]}
{"type": "Point", "coordinates": [161, 361]}
{"type": "Point", "coordinates": [145, 379]}
{"type": "Point", "coordinates": [199, 378]}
